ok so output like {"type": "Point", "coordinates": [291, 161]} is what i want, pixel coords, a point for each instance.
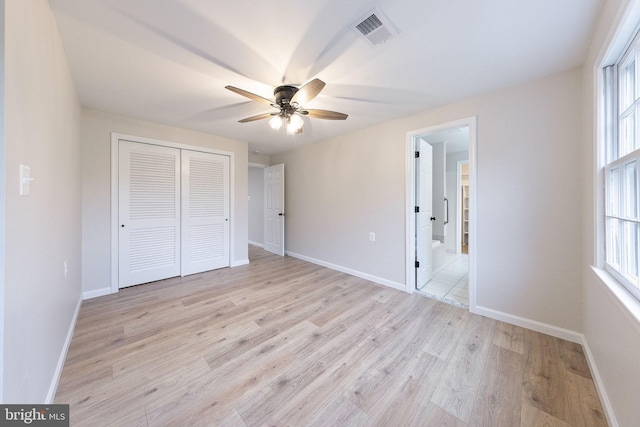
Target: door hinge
{"type": "Point", "coordinates": [417, 264]}
{"type": "Point", "coordinates": [417, 209]}
{"type": "Point", "coordinates": [417, 154]}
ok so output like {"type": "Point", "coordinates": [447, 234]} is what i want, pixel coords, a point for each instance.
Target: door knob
{"type": "Point", "coordinates": [433, 218]}
{"type": "Point", "coordinates": [281, 214]}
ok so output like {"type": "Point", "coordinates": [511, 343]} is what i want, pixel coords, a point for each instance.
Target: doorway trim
{"type": "Point", "coordinates": [410, 230]}
{"type": "Point", "coordinates": [115, 137]}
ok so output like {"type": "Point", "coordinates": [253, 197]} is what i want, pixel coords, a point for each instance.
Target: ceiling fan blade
{"type": "Point", "coordinates": [257, 117]}
{"type": "Point", "coordinates": [325, 114]}
{"type": "Point", "coordinates": [307, 92]}
{"type": "Point", "coordinates": [249, 95]}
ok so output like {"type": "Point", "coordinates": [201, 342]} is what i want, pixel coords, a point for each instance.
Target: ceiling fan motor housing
{"type": "Point", "coordinates": [283, 94]}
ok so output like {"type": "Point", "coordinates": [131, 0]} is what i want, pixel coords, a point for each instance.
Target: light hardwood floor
{"type": "Point", "coordinates": [285, 342]}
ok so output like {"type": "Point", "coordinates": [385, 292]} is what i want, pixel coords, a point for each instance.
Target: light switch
{"type": "Point", "coordinates": [25, 180]}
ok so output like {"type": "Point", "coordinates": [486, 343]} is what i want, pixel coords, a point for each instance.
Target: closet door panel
{"type": "Point", "coordinates": [205, 209]}
{"type": "Point", "coordinates": [149, 213]}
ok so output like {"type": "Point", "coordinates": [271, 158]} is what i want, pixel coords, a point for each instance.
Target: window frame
{"type": "Point", "coordinates": [622, 219]}
{"type": "Point", "coordinates": [615, 210]}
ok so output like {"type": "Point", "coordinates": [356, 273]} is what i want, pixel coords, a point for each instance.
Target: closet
{"type": "Point", "coordinates": [173, 212]}
{"type": "Point", "coordinates": [464, 181]}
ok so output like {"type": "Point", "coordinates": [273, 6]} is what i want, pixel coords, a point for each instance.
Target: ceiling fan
{"type": "Point", "coordinates": [289, 100]}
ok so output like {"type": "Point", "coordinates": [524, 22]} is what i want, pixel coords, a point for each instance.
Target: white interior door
{"type": "Point", "coordinates": [424, 202]}
{"type": "Point", "coordinates": [149, 213]}
{"type": "Point", "coordinates": [274, 209]}
{"type": "Point", "coordinates": [205, 212]}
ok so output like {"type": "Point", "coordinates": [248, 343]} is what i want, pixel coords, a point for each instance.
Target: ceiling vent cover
{"type": "Point", "coordinates": [375, 27]}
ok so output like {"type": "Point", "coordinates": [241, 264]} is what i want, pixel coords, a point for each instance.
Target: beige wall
{"type": "Point", "coordinates": [338, 191]}
{"type": "Point", "coordinates": [529, 206]}
{"type": "Point", "coordinates": [97, 127]}
{"type": "Point", "coordinates": [612, 330]}
{"type": "Point", "coordinates": [43, 229]}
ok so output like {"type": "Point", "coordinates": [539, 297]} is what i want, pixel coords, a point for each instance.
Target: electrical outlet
{"type": "Point", "coordinates": [372, 237]}
{"type": "Point", "coordinates": [65, 268]}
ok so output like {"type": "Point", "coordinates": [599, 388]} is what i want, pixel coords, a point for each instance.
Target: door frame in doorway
{"type": "Point", "coordinates": [410, 229]}
{"type": "Point", "coordinates": [115, 138]}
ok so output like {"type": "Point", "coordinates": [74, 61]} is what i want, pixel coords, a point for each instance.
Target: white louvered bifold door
{"type": "Point", "coordinates": [205, 212]}
{"type": "Point", "coordinates": [149, 213]}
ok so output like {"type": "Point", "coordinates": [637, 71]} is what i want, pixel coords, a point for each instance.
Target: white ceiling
{"type": "Point", "coordinates": [169, 61]}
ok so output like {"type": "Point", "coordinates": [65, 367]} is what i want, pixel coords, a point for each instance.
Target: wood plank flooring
{"type": "Point", "coordinates": [284, 342]}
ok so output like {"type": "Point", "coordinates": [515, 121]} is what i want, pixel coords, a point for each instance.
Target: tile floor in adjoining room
{"type": "Point", "coordinates": [451, 283]}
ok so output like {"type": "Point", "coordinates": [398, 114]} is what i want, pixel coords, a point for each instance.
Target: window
{"type": "Point", "coordinates": [622, 160]}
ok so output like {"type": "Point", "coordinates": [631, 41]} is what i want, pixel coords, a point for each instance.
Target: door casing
{"type": "Point", "coordinates": [410, 231]}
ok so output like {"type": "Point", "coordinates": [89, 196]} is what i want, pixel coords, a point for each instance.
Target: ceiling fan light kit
{"type": "Point", "coordinates": [276, 122]}
{"type": "Point", "coordinates": [294, 124]}
{"type": "Point", "coordinates": [290, 100]}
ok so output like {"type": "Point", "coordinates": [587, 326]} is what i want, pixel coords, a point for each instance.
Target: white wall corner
{"type": "Point", "coordinates": [51, 394]}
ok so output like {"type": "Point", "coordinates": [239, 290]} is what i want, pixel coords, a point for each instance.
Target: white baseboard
{"type": "Point", "coordinates": [96, 293]}
{"type": "Point", "coordinates": [534, 325]}
{"type": "Point", "coordinates": [371, 278]}
{"type": "Point", "coordinates": [602, 391]}
{"type": "Point", "coordinates": [260, 245]}
{"type": "Point", "coordinates": [239, 263]}
{"type": "Point", "coordinates": [63, 356]}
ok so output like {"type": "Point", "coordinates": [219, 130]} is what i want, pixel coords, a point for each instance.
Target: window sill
{"type": "Point", "coordinates": [629, 302]}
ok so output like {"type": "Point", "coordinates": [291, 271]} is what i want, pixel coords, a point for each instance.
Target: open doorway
{"type": "Point", "coordinates": [450, 231]}
{"type": "Point", "coordinates": [266, 207]}
{"type": "Point", "coordinates": [255, 222]}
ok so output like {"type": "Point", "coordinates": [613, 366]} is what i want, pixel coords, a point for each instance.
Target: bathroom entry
{"type": "Point", "coordinates": [440, 228]}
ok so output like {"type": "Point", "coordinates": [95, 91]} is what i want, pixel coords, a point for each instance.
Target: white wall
{"type": "Point", "coordinates": [97, 127]}
{"type": "Point", "coordinates": [452, 239]}
{"type": "Point", "coordinates": [528, 214]}
{"type": "Point", "coordinates": [43, 229]}
{"type": "Point", "coordinates": [256, 205]}
{"type": "Point", "coordinates": [612, 333]}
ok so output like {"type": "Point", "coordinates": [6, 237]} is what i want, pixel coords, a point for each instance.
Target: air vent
{"type": "Point", "coordinates": [369, 25]}
{"type": "Point", "coordinates": [375, 27]}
